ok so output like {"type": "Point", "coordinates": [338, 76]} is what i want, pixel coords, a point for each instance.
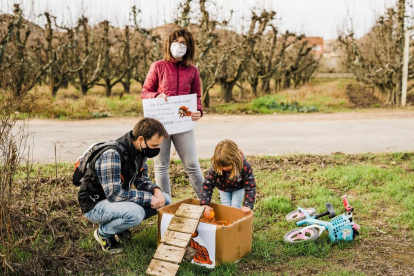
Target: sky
{"type": "Point", "coordinates": [313, 17]}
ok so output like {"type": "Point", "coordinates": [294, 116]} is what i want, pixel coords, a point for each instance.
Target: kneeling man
{"type": "Point", "coordinates": [105, 194]}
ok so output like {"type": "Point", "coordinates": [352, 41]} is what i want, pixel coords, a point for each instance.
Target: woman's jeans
{"type": "Point", "coordinates": [185, 145]}
{"type": "Point", "coordinates": [116, 217]}
{"type": "Point", "coordinates": [232, 198]}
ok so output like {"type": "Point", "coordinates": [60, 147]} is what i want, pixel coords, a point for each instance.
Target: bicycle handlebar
{"type": "Point", "coordinates": [348, 207]}
{"type": "Point", "coordinates": [322, 214]}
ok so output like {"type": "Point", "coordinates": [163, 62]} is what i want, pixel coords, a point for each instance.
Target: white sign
{"type": "Point", "coordinates": [175, 114]}
{"type": "Point", "coordinates": [203, 241]}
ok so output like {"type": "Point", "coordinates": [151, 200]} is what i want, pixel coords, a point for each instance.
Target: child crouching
{"type": "Point", "coordinates": [232, 175]}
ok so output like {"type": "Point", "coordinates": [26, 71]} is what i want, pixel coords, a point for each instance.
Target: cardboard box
{"type": "Point", "coordinates": [232, 242]}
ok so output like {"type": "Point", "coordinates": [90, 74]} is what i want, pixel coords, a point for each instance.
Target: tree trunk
{"type": "Point", "coordinates": [254, 85]}
{"type": "Point", "coordinates": [127, 84]}
{"type": "Point", "coordinates": [53, 87]}
{"type": "Point", "coordinates": [206, 99]}
{"type": "Point", "coordinates": [128, 75]}
{"type": "Point", "coordinates": [54, 91]}
{"type": "Point", "coordinates": [242, 94]}
{"type": "Point", "coordinates": [108, 87]}
{"type": "Point", "coordinates": [266, 87]}
{"type": "Point", "coordinates": [65, 83]}
{"type": "Point", "coordinates": [84, 89]}
{"type": "Point", "coordinates": [286, 83]}
{"type": "Point", "coordinates": [227, 92]}
{"type": "Point", "coordinates": [401, 15]}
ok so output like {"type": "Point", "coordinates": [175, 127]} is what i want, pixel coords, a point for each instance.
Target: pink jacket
{"type": "Point", "coordinates": [172, 79]}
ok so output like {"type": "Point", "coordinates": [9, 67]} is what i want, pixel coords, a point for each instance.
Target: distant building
{"type": "Point", "coordinates": [316, 43]}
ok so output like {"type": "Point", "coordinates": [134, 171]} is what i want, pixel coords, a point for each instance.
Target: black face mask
{"type": "Point", "coordinates": [149, 152]}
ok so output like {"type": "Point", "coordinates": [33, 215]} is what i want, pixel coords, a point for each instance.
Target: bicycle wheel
{"type": "Point", "coordinates": [298, 215]}
{"type": "Point", "coordinates": [300, 235]}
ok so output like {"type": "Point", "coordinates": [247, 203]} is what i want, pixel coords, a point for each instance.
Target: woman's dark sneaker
{"type": "Point", "coordinates": [108, 244]}
{"type": "Point", "coordinates": [125, 236]}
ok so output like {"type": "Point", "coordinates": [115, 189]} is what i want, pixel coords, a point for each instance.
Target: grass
{"type": "Point", "coordinates": [322, 95]}
{"type": "Point", "coordinates": [381, 188]}
{"type": "Point", "coordinates": [325, 95]}
{"type": "Point", "coordinates": [70, 104]}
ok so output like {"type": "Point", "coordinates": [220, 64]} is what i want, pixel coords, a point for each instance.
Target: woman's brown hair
{"type": "Point", "coordinates": [227, 154]}
{"type": "Point", "coordinates": [189, 40]}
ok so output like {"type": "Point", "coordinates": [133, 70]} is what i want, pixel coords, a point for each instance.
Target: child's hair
{"type": "Point", "coordinates": [227, 154]}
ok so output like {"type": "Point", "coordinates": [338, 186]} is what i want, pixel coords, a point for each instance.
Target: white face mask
{"type": "Point", "coordinates": [178, 50]}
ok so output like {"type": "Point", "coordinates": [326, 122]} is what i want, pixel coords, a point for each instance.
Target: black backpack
{"type": "Point", "coordinates": [89, 157]}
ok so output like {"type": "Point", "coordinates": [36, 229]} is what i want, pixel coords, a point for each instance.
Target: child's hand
{"type": "Point", "coordinates": [207, 211]}
{"type": "Point", "coordinates": [245, 209]}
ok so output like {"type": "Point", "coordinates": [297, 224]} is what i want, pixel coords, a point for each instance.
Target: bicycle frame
{"type": "Point", "coordinates": [312, 222]}
{"type": "Point", "coordinates": [342, 230]}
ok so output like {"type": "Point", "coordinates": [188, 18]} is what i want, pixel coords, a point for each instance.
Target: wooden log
{"type": "Point", "coordinates": [169, 253]}
{"type": "Point", "coordinates": [158, 267]}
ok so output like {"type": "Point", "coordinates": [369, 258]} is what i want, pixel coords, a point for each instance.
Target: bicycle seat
{"type": "Point", "coordinates": [330, 209]}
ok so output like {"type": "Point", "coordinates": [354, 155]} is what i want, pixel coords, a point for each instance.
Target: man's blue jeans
{"type": "Point", "coordinates": [116, 217]}
{"type": "Point", "coordinates": [232, 198]}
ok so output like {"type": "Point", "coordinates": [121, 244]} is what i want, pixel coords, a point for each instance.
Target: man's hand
{"type": "Point", "coordinates": [160, 196]}
{"type": "Point", "coordinates": [162, 95]}
{"type": "Point", "coordinates": [207, 210]}
{"type": "Point", "coordinates": [196, 115]}
{"type": "Point", "coordinates": [246, 209]}
{"type": "Point", "coordinates": [155, 203]}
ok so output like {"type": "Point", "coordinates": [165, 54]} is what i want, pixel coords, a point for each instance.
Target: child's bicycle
{"type": "Point", "coordinates": [340, 228]}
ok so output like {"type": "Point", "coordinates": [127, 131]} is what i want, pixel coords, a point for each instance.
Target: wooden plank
{"type": "Point", "coordinates": [175, 241]}
{"type": "Point", "coordinates": [176, 238]}
{"type": "Point", "coordinates": [189, 211]}
{"type": "Point", "coordinates": [183, 225]}
{"type": "Point", "coordinates": [169, 253]}
{"type": "Point", "coordinates": [158, 267]}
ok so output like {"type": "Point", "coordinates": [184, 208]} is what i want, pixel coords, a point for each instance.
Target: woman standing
{"type": "Point", "coordinates": [173, 76]}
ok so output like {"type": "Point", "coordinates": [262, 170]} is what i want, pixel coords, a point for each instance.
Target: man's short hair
{"type": "Point", "coordinates": [148, 127]}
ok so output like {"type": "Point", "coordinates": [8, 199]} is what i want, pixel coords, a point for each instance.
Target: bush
{"type": "Point", "coordinates": [270, 103]}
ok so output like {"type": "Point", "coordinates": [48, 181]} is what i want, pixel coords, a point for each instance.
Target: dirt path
{"type": "Point", "coordinates": [359, 132]}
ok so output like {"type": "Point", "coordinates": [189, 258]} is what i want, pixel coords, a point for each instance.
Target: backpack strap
{"type": "Point", "coordinates": [107, 146]}
{"type": "Point", "coordinates": [86, 167]}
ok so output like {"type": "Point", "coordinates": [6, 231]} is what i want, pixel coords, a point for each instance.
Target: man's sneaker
{"type": "Point", "coordinates": [125, 236]}
{"type": "Point", "coordinates": [108, 244]}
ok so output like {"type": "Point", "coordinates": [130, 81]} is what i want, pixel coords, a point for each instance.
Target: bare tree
{"type": "Point", "coordinates": [208, 62]}
{"type": "Point", "coordinates": [54, 51]}
{"type": "Point", "coordinates": [156, 53]}
{"type": "Point", "coordinates": [258, 51]}
{"type": "Point", "coordinates": [299, 59]}
{"type": "Point", "coordinates": [90, 71]}
{"type": "Point", "coordinates": [20, 45]}
{"type": "Point", "coordinates": [13, 24]}
{"type": "Point", "coordinates": [274, 57]}
{"type": "Point", "coordinates": [126, 81]}
{"type": "Point", "coordinates": [376, 58]}
{"type": "Point", "coordinates": [114, 59]}
{"type": "Point", "coordinates": [23, 51]}
{"type": "Point", "coordinates": [228, 78]}
{"type": "Point", "coordinates": [184, 19]}
{"type": "Point", "coordinates": [148, 48]}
